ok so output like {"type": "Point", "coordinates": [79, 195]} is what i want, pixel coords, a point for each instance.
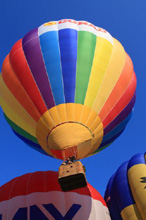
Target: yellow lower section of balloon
{"type": "Point", "coordinates": [70, 125]}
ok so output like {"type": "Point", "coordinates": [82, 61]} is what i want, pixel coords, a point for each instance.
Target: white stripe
{"type": "Point", "coordinates": [77, 25]}
{"type": "Point", "coordinates": [90, 208]}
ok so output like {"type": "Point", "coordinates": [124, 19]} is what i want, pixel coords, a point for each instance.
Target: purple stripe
{"type": "Point", "coordinates": [109, 141]}
{"type": "Point", "coordinates": [121, 116]}
{"type": "Point", "coordinates": [33, 54]}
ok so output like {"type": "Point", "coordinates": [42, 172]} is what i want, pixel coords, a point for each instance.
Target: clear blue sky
{"type": "Point", "coordinates": [125, 20]}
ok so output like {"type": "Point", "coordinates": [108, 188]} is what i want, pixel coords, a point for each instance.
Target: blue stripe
{"type": "Point", "coordinates": [68, 51]}
{"type": "Point", "coordinates": [124, 113]}
{"type": "Point", "coordinates": [111, 200]}
{"type": "Point", "coordinates": [116, 130]}
{"type": "Point", "coordinates": [121, 186]}
{"type": "Point", "coordinates": [51, 54]}
{"type": "Point", "coordinates": [109, 141]}
{"type": "Point", "coordinates": [136, 159]}
{"type": "Point", "coordinates": [31, 144]}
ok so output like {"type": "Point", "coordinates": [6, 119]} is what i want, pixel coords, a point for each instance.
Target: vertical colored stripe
{"type": "Point", "coordinates": [118, 91]}
{"type": "Point", "coordinates": [31, 144]}
{"type": "Point", "coordinates": [14, 110]}
{"type": "Point", "coordinates": [119, 197]}
{"type": "Point", "coordinates": [117, 129]}
{"type": "Point", "coordinates": [109, 141]}
{"type": "Point", "coordinates": [121, 116]}
{"type": "Point", "coordinates": [122, 103]}
{"type": "Point", "coordinates": [20, 131]}
{"type": "Point", "coordinates": [86, 48]}
{"type": "Point", "coordinates": [18, 115]}
{"type": "Point", "coordinates": [33, 54]}
{"type": "Point", "coordinates": [122, 189]}
{"type": "Point", "coordinates": [9, 77]}
{"type": "Point", "coordinates": [102, 56]}
{"type": "Point", "coordinates": [111, 200]}
{"type": "Point", "coordinates": [115, 67]}
{"type": "Point", "coordinates": [135, 160]}
{"type": "Point", "coordinates": [68, 53]}
{"type": "Point", "coordinates": [51, 54]}
{"type": "Point", "coordinates": [136, 176]}
{"type": "Point", "coordinates": [24, 75]}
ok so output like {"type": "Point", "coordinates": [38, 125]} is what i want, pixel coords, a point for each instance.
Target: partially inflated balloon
{"type": "Point", "coordinates": [37, 196]}
{"type": "Point", "coordinates": [67, 89]}
{"type": "Point", "coordinates": [126, 191]}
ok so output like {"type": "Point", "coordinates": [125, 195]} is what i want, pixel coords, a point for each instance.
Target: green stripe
{"type": "Point", "coordinates": [20, 130]}
{"type": "Point", "coordinates": [102, 148]}
{"type": "Point", "coordinates": [85, 55]}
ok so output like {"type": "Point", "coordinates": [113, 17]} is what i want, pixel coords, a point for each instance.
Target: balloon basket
{"type": "Point", "coordinates": [72, 176]}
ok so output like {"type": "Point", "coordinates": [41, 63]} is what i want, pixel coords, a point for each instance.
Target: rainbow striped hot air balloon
{"type": "Point", "coordinates": [67, 88]}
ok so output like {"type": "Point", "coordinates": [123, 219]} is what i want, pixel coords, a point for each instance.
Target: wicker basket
{"type": "Point", "coordinates": [72, 176]}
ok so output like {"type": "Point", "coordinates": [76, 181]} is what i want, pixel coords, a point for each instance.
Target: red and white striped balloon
{"type": "Point", "coordinates": [38, 196]}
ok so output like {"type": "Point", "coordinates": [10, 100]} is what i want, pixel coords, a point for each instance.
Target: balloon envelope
{"type": "Point", "coordinates": [126, 191]}
{"type": "Point", "coordinates": [37, 196]}
{"type": "Point", "coordinates": [67, 88]}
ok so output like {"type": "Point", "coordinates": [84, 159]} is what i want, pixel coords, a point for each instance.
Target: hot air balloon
{"type": "Point", "coordinates": [67, 89]}
{"type": "Point", "coordinates": [126, 191]}
{"type": "Point", "coordinates": [38, 196]}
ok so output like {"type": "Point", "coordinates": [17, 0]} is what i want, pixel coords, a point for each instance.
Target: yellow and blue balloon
{"type": "Point", "coordinates": [126, 191]}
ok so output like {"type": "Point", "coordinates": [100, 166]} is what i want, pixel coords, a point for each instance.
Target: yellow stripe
{"type": "Point", "coordinates": [130, 213]}
{"type": "Point", "coordinates": [115, 67]}
{"type": "Point", "coordinates": [95, 124]}
{"type": "Point", "coordinates": [62, 112]}
{"type": "Point", "coordinates": [83, 149]}
{"type": "Point", "coordinates": [85, 114]}
{"type": "Point", "coordinates": [92, 117]}
{"type": "Point", "coordinates": [55, 115]}
{"type": "Point", "coordinates": [44, 126]}
{"type": "Point", "coordinates": [15, 111]}
{"type": "Point", "coordinates": [98, 133]}
{"type": "Point", "coordinates": [135, 173]}
{"type": "Point", "coordinates": [88, 148]}
{"type": "Point", "coordinates": [103, 51]}
{"type": "Point", "coordinates": [70, 111]}
{"type": "Point", "coordinates": [78, 111]}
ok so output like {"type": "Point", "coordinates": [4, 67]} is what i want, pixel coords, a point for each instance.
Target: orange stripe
{"type": "Point", "coordinates": [123, 102]}
{"type": "Point", "coordinates": [17, 90]}
{"type": "Point", "coordinates": [118, 90]}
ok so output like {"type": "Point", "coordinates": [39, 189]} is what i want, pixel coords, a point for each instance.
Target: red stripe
{"type": "Point", "coordinates": [23, 72]}
{"type": "Point", "coordinates": [124, 101]}
{"type": "Point", "coordinates": [17, 90]}
{"type": "Point", "coordinates": [41, 182]}
{"type": "Point", "coordinates": [117, 100]}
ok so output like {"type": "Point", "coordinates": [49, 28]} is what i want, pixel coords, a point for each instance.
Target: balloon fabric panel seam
{"type": "Point", "coordinates": [35, 81]}
{"type": "Point", "coordinates": [122, 51]}
{"type": "Point", "coordinates": [24, 92]}
{"type": "Point", "coordinates": [121, 93]}
{"type": "Point", "coordinates": [26, 63]}
{"type": "Point", "coordinates": [31, 39]}
{"type": "Point", "coordinates": [118, 102]}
